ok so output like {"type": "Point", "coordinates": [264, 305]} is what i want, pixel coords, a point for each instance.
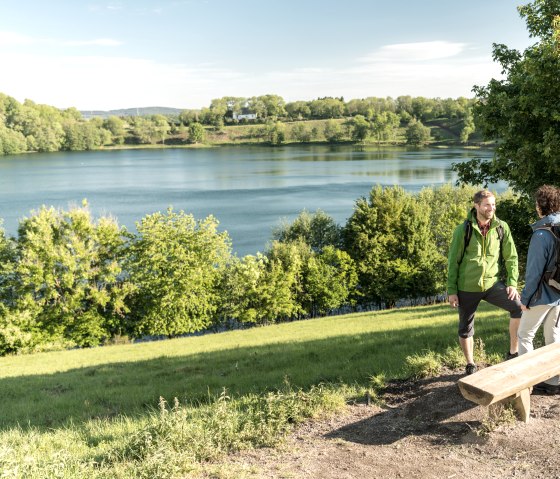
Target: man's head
{"type": "Point", "coordinates": [547, 200]}
{"type": "Point", "coordinates": [485, 205]}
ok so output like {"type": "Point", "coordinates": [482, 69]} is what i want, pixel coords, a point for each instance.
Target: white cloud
{"type": "Point", "coordinates": [102, 42]}
{"type": "Point", "coordinates": [415, 52]}
{"type": "Point", "coordinates": [110, 82]}
{"type": "Point", "coordinates": [12, 39]}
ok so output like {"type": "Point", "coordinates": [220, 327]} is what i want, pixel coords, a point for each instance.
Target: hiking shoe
{"type": "Point", "coordinates": [545, 388]}
{"type": "Point", "coordinates": [470, 369]}
{"type": "Point", "coordinates": [511, 355]}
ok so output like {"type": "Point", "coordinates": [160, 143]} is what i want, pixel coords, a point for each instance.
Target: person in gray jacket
{"type": "Point", "coordinates": [540, 302]}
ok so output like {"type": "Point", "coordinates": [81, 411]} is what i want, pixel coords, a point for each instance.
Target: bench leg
{"type": "Point", "coordinates": [521, 403]}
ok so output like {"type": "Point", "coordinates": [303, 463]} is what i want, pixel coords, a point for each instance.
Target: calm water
{"type": "Point", "coordinates": [249, 190]}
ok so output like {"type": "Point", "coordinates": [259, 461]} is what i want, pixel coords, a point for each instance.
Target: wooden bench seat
{"type": "Point", "coordinates": [512, 381]}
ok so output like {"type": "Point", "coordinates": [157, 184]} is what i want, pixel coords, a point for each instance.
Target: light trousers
{"type": "Point", "coordinates": [531, 319]}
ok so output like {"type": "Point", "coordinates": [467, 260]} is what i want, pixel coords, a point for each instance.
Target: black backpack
{"type": "Point", "coordinates": [467, 225]}
{"type": "Point", "coordinates": [552, 277]}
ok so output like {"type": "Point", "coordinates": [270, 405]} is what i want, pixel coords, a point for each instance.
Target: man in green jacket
{"type": "Point", "coordinates": [473, 272]}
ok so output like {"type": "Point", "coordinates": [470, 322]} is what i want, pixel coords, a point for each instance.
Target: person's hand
{"type": "Point", "coordinates": [453, 300]}
{"type": "Point", "coordinates": [512, 293]}
{"type": "Point", "coordinates": [524, 308]}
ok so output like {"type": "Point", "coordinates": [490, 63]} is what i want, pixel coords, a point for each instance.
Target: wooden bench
{"type": "Point", "coordinates": [512, 381]}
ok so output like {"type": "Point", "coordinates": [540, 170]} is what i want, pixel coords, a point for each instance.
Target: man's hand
{"type": "Point", "coordinates": [524, 308]}
{"type": "Point", "coordinates": [453, 300]}
{"type": "Point", "coordinates": [512, 293]}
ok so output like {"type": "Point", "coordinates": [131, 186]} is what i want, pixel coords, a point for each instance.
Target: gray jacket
{"type": "Point", "coordinates": [540, 258]}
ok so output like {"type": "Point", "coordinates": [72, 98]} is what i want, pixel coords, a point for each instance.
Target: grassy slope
{"type": "Point", "coordinates": [94, 413]}
{"type": "Point", "coordinates": [48, 389]}
{"type": "Point", "coordinates": [443, 131]}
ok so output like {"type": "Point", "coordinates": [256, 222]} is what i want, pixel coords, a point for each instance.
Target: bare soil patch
{"type": "Point", "coordinates": [426, 429]}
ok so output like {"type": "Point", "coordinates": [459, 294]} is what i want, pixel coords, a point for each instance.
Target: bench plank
{"type": "Point", "coordinates": [506, 380]}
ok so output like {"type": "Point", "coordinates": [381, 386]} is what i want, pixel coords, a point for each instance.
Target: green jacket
{"type": "Point", "coordinates": [479, 270]}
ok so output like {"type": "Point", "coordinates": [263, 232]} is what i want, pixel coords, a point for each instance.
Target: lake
{"type": "Point", "coordinates": [248, 189]}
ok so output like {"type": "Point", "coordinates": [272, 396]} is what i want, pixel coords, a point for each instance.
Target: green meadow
{"type": "Point", "coordinates": [171, 408]}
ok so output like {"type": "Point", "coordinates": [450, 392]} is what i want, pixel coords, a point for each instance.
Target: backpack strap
{"type": "Point", "coordinates": [467, 225]}
{"type": "Point", "coordinates": [555, 231]}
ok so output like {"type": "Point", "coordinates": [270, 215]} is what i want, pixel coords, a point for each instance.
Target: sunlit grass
{"type": "Point", "coordinates": [90, 411]}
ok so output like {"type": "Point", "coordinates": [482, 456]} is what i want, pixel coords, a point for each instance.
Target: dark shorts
{"type": "Point", "coordinates": [468, 302]}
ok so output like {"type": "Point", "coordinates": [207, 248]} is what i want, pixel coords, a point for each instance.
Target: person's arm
{"type": "Point", "coordinates": [537, 261]}
{"type": "Point", "coordinates": [455, 249]}
{"type": "Point", "coordinates": [509, 254]}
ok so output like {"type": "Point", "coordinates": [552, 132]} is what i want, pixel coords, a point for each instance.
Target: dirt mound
{"type": "Point", "coordinates": [425, 430]}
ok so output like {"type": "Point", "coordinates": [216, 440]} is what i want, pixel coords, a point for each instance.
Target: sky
{"type": "Point", "coordinates": [104, 55]}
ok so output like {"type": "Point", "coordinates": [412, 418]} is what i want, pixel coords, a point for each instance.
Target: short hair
{"type": "Point", "coordinates": [480, 195]}
{"type": "Point", "coordinates": [547, 198]}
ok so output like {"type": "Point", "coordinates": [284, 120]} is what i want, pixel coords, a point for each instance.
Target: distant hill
{"type": "Point", "coordinates": [140, 111]}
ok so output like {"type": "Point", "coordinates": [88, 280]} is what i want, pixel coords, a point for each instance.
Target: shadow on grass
{"type": "Point", "coordinates": [133, 388]}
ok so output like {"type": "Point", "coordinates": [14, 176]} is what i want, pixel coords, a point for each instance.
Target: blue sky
{"type": "Point", "coordinates": [100, 55]}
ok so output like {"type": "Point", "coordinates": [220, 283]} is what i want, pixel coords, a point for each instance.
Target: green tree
{"type": "Point", "coordinates": [197, 133]}
{"type": "Point", "coordinates": [68, 276]}
{"type": "Point", "coordinates": [327, 108]}
{"type": "Point", "coordinates": [300, 132]}
{"type": "Point", "coordinates": [175, 263]}
{"type": "Point", "coordinates": [417, 133]}
{"type": "Point", "coordinates": [116, 126]}
{"type": "Point", "coordinates": [318, 230]}
{"type": "Point", "coordinates": [384, 125]}
{"type": "Point", "coordinates": [255, 289]}
{"type": "Point", "coordinates": [389, 238]}
{"type": "Point", "coordinates": [329, 279]}
{"type": "Point", "coordinates": [274, 132]}
{"type": "Point", "coordinates": [522, 110]}
{"type": "Point", "coordinates": [333, 131]}
{"type": "Point", "coordinates": [298, 110]}
{"type": "Point", "coordinates": [360, 128]}
{"type": "Point", "coordinates": [468, 126]}
{"type": "Point", "coordinates": [11, 142]}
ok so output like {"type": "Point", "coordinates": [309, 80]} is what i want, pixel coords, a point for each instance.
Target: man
{"type": "Point", "coordinates": [473, 273]}
{"type": "Point", "coordinates": [540, 301]}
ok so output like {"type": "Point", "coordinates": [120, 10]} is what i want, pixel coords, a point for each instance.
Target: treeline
{"type": "Point", "coordinates": [68, 280]}
{"type": "Point", "coordinates": [224, 110]}
{"type": "Point", "coordinates": [27, 126]}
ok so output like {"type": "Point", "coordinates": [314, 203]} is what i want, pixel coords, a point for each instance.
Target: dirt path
{"type": "Point", "coordinates": [426, 430]}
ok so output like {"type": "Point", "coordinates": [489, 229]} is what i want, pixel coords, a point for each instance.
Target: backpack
{"type": "Point", "coordinates": [467, 225]}
{"type": "Point", "coordinates": [552, 277]}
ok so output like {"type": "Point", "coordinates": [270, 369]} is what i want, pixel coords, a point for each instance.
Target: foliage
{"type": "Point", "coordinates": [425, 365]}
{"type": "Point", "coordinates": [274, 132]}
{"type": "Point", "coordinates": [417, 133]}
{"type": "Point", "coordinates": [468, 127]}
{"type": "Point", "coordinates": [448, 207]}
{"type": "Point", "coordinates": [175, 263]}
{"type": "Point", "coordinates": [389, 237]}
{"type": "Point", "coordinates": [518, 212]}
{"type": "Point", "coordinates": [116, 126]}
{"type": "Point", "coordinates": [67, 276]}
{"type": "Point", "coordinates": [255, 289]}
{"type": "Point", "coordinates": [300, 132]}
{"type": "Point", "coordinates": [197, 133]}
{"type": "Point", "coordinates": [333, 131]}
{"type": "Point", "coordinates": [522, 110]}
{"type": "Point", "coordinates": [316, 229]}
{"type": "Point", "coordinates": [360, 128]}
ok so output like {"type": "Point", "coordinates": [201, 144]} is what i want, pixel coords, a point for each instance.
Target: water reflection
{"type": "Point", "coordinates": [249, 190]}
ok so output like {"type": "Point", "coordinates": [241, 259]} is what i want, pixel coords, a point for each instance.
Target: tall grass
{"type": "Point", "coordinates": [164, 409]}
